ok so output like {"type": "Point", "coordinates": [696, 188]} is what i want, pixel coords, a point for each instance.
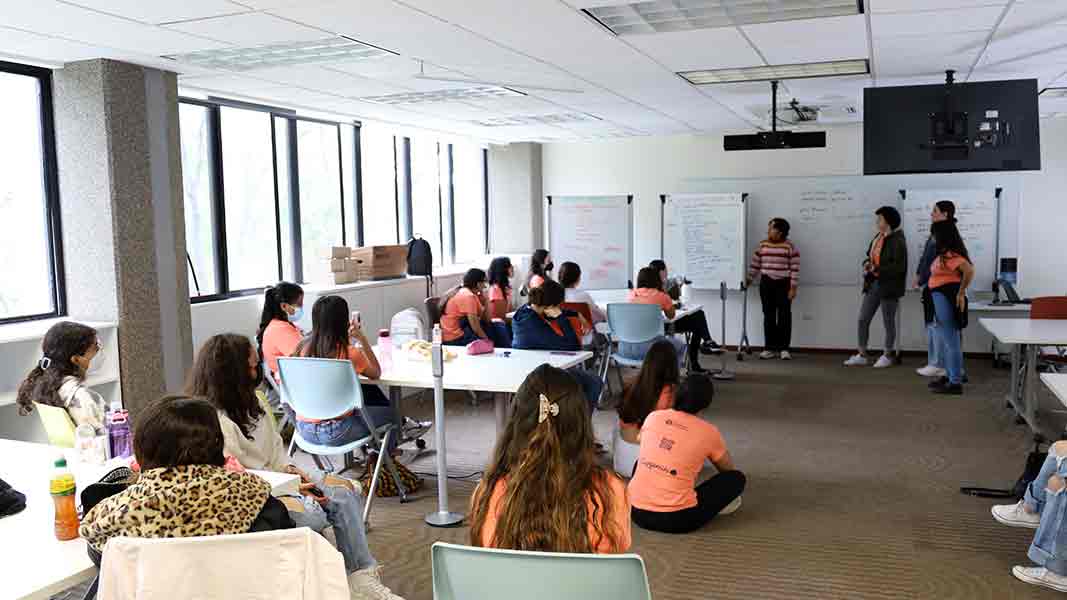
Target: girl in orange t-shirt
{"type": "Point", "coordinates": [465, 315]}
{"type": "Point", "coordinates": [950, 275]}
{"type": "Point", "coordinates": [543, 490]}
{"type": "Point", "coordinates": [278, 334]}
{"type": "Point", "coordinates": [540, 269]}
{"type": "Point", "coordinates": [500, 273]}
{"type": "Point", "coordinates": [652, 390]}
{"type": "Point", "coordinates": [674, 444]}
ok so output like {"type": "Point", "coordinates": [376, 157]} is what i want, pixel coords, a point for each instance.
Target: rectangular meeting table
{"type": "Point", "coordinates": [35, 564]}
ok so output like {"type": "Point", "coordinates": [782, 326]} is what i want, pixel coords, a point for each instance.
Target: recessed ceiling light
{"type": "Point", "coordinates": [452, 95]}
{"type": "Point", "coordinates": [551, 119]}
{"type": "Point", "coordinates": [282, 54]}
{"type": "Point", "coordinates": [834, 68]}
{"type": "Point", "coordinates": [661, 16]}
{"type": "Point", "coordinates": [1054, 92]}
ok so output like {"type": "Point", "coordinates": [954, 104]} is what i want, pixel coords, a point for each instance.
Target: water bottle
{"type": "Point", "coordinates": [385, 349]}
{"type": "Point", "coordinates": [63, 490]}
{"type": "Point", "coordinates": [89, 451]}
{"type": "Point", "coordinates": [118, 431]}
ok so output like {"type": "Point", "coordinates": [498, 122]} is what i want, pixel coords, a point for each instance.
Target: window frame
{"type": "Point", "coordinates": [50, 170]}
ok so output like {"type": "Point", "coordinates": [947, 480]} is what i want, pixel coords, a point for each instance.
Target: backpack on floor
{"type": "Point", "coordinates": [1034, 461]}
{"type": "Point", "coordinates": [386, 485]}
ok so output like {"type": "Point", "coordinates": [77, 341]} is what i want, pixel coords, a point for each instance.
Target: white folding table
{"type": "Point", "coordinates": [985, 309]}
{"type": "Point", "coordinates": [1026, 337]}
{"type": "Point", "coordinates": [1057, 383]}
{"type": "Point", "coordinates": [36, 564]}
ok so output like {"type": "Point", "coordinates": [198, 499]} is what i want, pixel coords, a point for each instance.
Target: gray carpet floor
{"type": "Point", "coordinates": [853, 490]}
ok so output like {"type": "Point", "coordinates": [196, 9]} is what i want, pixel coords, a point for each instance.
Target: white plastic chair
{"type": "Point", "coordinates": [289, 563]}
{"type": "Point", "coordinates": [325, 388]}
{"type": "Point", "coordinates": [468, 573]}
{"type": "Point", "coordinates": [632, 323]}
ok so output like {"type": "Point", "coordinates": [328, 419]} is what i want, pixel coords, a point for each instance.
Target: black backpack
{"type": "Point", "coordinates": [420, 258]}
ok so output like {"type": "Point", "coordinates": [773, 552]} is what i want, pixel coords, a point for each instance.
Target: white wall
{"type": "Point", "coordinates": [824, 317]}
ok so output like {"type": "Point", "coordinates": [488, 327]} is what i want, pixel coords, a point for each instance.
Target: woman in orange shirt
{"type": "Point", "coordinates": [465, 314]}
{"type": "Point", "coordinates": [540, 269]}
{"type": "Point", "coordinates": [278, 334]}
{"type": "Point", "coordinates": [650, 291]}
{"type": "Point", "coordinates": [543, 489]}
{"type": "Point", "coordinates": [950, 274]}
{"type": "Point", "coordinates": [674, 444]}
{"type": "Point", "coordinates": [500, 274]}
{"type": "Point", "coordinates": [652, 390]}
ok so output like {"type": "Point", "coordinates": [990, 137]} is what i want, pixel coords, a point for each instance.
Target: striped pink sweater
{"type": "Point", "coordinates": [776, 261]}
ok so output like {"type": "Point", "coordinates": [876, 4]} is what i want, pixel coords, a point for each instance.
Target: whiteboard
{"type": "Point", "coordinates": [596, 232]}
{"type": "Point", "coordinates": [977, 216]}
{"type": "Point", "coordinates": [704, 238]}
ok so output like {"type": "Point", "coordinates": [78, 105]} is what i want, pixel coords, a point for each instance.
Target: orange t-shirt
{"type": "Point", "coordinates": [359, 361]}
{"type": "Point", "coordinates": [674, 445]}
{"type": "Point", "coordinates": [945, 270]}
{"type": "Point", "coordinates": [536, 281]}
{"type": "Point", "coordinates": [666, 400]}
{"type": "Point", "coordinates": [620, 506]}
{"type": "Point", "coordinates": [465, 302]}
{"type": "Point", "coordinates": [280, 338]}
{"type": "Point", "coordinates": [498, 294]}
{"type": "Point", "coordinates": [651, 296]}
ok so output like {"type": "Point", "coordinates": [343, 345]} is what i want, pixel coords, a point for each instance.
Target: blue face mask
{"type": "Point", "coordinates": [296, 316]}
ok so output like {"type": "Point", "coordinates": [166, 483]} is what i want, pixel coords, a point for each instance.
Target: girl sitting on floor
{"type": "Point", "coordinates": [543, 489]}
{"type": "Point", "coordinates": [652, 390]}
{"type": "Point", "coordinates": [674, 444]}
{"type": "Point", "coordinates": [59, 377]}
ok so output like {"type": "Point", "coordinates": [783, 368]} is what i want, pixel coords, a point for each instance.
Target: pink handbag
{"type": "Point", "coordinates": [480, 346]}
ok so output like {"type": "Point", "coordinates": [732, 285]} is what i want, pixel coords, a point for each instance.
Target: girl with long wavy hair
{"type": "Point", "coordinates": [543, 489]}
{"type": "Point", "coordinates": [58, 379]}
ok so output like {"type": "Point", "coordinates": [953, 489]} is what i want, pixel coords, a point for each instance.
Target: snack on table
{"type": "Point", "coordinates": [421, 349]}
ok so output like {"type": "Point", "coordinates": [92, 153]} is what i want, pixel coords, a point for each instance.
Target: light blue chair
{"type": "Point", "coordinates": [324, 388]}
{"type": "Point", "coordinates": [632, 323]}
{"type": "Point", "coordinates": [272, 386]}
{"type": "Point", "coordinates": [468, 573]}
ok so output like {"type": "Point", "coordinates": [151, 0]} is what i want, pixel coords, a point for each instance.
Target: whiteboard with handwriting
{"type": "Point", "coordinates": [704, 238]}
{"type": "Point", "coordinates": [596, 232]}
{"type": "Point", "coordinates": [976, 215]}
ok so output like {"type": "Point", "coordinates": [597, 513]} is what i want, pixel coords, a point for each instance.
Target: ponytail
{"type": "Point", "coordinates": [273, 298]}
{"type": "Point", "coordinates": [63, 341]}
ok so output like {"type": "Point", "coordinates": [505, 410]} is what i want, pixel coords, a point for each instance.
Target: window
{"type": "Point", "coordinates": [248, 184]}
{"type": "Point", "coordinates": [29, 220]}
{"type": "Point", "coordinates": [426, 194]}
{"type": "Point", "coordinates": [321, 213]}
{"type": "Point", "coordinates": [469, 200]}
{"type": "Point", "coordinates": [350, 183]}
{"type": "Point", "coordinates": [379, 186]}
{"type": "Point", "coordinates": [285, 194]}
{"type": "Point", "coordinates": [197, 177]}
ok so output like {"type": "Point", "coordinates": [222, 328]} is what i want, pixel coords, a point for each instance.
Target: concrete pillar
{"type": "Point", "coordinates": [516, 203]}
{"type": "Point", "coordinates": [122, 210]}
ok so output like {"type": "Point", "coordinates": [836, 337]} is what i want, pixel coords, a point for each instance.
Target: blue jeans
{"type": "Point", "coordinates": [947, 334]}
{"type": "Point", "coordinates": [1049, 548]}
{"type": "Point", "coordinates": [498, 332]}
{"type": "Point", "coordinates": [591, 385]}
{"type": "Point", "coordinates": [933, 356]}
{"type": "Point", "coordinates": [638, 351]}
{"type": "Point", "coordinates": [344, 511]}
{"type": "Point", "coordinates": [347, 429]}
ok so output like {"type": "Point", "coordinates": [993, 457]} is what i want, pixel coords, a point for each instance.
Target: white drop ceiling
{"type": "Point", "coordinates": [542, 48]}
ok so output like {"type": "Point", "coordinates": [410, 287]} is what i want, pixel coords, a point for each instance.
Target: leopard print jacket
{"type": "Point", "coordinates": [194, 500]}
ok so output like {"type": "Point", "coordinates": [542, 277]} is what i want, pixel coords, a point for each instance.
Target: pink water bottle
{"type": "Point", "coordinates": [385, 349]}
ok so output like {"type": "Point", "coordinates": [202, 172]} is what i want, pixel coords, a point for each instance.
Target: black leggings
{"type": "Point", "coordinates": [696, 324]}
{"type": "Point", "coordinates": [777, 313]}
{"type": "Point", "coordinates": [712, 496]}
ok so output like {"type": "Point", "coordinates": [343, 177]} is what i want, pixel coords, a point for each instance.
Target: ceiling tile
{"type": "Point", "coordinates": [44, 48]}
{"type": "Point", "coordinates": [810, 40]}
{"type": "Point", "coordinates": [250, 29]}
{"type": "Point", "coordinates": [934, 22]}
{"type": "Point", "coordinates": [885, 6]}
{"type": "Point", "coordinates": [701, 49]}
{"type": "Point", "coordinates": [327, 80]}
{"type": "Point", "coordinates": [163, 12]}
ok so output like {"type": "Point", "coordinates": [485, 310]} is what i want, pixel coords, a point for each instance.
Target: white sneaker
{"type": "Point", "coordinates": [883, 362]}
{"type": "Point", "coordinates": [732, 507]}
{"type": "Point", "coordinates": [1040, 576]}
{"type": "Point", "coordinates": [766, 355]}
{"type": "Point", "coordinates": [366, 584]}
{"type": "Point", "coordinates": [931, 371]}
{"type": "Point", "coordinates": [785, 355]}
{"type": "Point", "coordinates": [856, 360]}
{"type": "Point", "coordinates": [1014, 515]}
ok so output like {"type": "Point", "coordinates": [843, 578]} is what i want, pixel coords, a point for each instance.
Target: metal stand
{"type": "Point", "coordinates": [443, 517]}
{"type": "Point", "coordinates": [743, 347]}
{"type": "Point", "coordinates": [723, 374]}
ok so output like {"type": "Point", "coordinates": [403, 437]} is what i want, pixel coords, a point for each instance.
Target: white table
{"type": "Point", "coordinates": [35, 564]}
{"type": "Point", "coordinates": [1026, 337]}
{"type": "Point", "coordinates": [501, 372]}
{"type": "Point", "coordinates": [1001, 311]}
{"type": "Point", "coordinates": [1057, 383]}
{"type": "Point", "coordinates": [605, 297]}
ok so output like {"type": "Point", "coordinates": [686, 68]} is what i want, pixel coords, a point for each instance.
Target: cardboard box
{"type": "Point", "coordinates": [345, 277]}
{"type": "Point", "coordinates": [338, 265]}
{"type": "Point", "coordinates": [379, 262]}
{"type": "Point", "coordinates": [340, 252]}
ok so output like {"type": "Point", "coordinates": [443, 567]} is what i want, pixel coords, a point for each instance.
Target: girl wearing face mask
{"type": "Point", "coordinates": [278, 334]}
{"type": "Point", "coordinates": [59, 377]}
{"type": "Point", "coordinates": [541, 266]}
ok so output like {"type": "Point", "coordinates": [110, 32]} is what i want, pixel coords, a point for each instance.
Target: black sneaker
{"type": "Point", "coordinates": [694, 367]}
{"type": "Point", "coordinates": [938, 383]}
{"type": "Point", "coordinates": [950, 389]}
{"type": "Point", "coordinates": [710, 347]}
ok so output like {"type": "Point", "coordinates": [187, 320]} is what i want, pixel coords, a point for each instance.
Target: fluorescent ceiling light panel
{"type": "Point", "coordinates": [662, 16]}
{"type": "Point", "coordinates": [457, 95]}
{"type": "Point", "coordinates": [835, 68]}
{"type": "Point", "coordinates": [552, 119]}
{"type": "Point", "coordinates": [282, 54]}
{"type": "Point", "coordinates": [1053, 92]}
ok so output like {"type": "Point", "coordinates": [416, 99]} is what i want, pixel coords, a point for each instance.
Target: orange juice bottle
{"type": "Point", "coordinates": [63, 492]}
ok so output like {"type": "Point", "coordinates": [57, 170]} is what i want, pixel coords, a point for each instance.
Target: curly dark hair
{"type": "Point", "coordinates": [63, 341]}
{"type": "Point", "coordinates": [221, 376]}
{"type": "Point", "coordinates": [176, 431]}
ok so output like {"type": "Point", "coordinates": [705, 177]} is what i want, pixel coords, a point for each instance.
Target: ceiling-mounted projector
{"type": "Point", "coordinates": [774, 139]}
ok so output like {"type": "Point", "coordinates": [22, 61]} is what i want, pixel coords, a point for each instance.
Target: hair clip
{"type": "Point", "coordinates": [547, 408]}
{"type": "Point", "coordinates": [44, 363]}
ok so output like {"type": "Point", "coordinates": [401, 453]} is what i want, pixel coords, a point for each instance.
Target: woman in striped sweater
{"type": "Point", "coordinates": [776, 264]}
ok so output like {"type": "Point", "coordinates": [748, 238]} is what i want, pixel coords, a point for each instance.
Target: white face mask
{"type": "Point", "coordinates": [553, 312]}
